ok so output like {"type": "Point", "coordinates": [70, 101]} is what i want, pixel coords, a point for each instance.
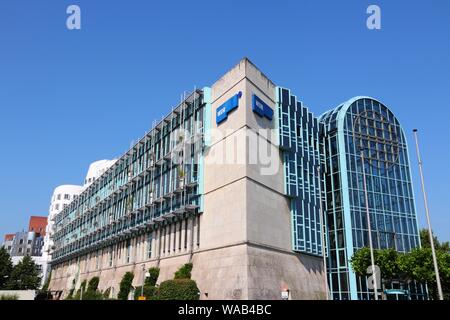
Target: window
{"type": "Point", "coordinates": [21, 241]}
{"type": "Point", "coordinates": [97, 260]}
{"type": "Point", "coordinates": [149, 245]}
{"type": "Point", "coordinates": [20, 250]}
{"type": "Point", "coordinates": [29, 241]}
{"type": "Point", "coordinates": [67, 197]}
{"type": "Point", "coordinates": [111, 257]}
{"type": "Point", "coordinates": [128, 251]}
{"type": "Point", "coordinates": [58, 197]}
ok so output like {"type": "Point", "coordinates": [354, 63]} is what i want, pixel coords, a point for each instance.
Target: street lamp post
{"type": "Point", "coordinates": [322, 233]}
{"type": "Point", "coordinates": [143, 280]}
{"type": "Point", "coordinates": [369, 228]}
{"type": "Point", "coordinates": [430, 232]}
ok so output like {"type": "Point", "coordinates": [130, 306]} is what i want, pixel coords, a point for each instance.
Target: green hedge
{"type": "Point", "coordinates": [9, 297]}
{"type": "Point", "coordinates": [178, 289]}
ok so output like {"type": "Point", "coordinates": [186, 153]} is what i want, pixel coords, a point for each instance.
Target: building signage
{"type": "Point", "coordinates": [227, 107]}
{"type": "Point", "coordinates": [261, 108]}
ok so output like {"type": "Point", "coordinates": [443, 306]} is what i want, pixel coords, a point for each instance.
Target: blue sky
{"type": "Point", "coordinates": [68, 98]}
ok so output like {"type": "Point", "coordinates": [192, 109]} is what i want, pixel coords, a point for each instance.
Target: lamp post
{"type": "Point", "coordinates": [369, 227]}
{"type": "Point", "coordinates": [430, 232]}
{"type": "Point", "coordinates": [143, 280]}
{"type": "Point", "coordinates": [322, 233]}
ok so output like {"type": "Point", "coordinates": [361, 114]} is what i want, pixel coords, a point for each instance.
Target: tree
{"type": "Point", "coordinates": [425, 240]}
{"type": "Point", "coordinates": [92, 292]}
{"type": "Point", "coordinates": [360, 261]}
{"type": "Point", "coordinates": [418, 265]}
{"type": "Point", "coordinates": [386, 260]}
{"type": "Point", "coordinates": [5, 267]}
{"type": "Point", "coordinates": [25, 275]}
{"type": "Point", "coordinates": [125, 286]}
{"type": "Point", "coordinates": [80, 292]}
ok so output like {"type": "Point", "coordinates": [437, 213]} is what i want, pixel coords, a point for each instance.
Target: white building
{"type": "Point", "coordinates": [62, 196]}
{"type": "Point", "coordinates": [96, 169]}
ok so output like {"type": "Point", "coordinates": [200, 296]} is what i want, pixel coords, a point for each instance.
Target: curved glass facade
{"type": "Point", "coordinates": [365, 128]}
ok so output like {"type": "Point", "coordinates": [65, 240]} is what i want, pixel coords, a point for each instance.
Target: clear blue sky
{"type": "Point", "coordinates": [68, 98]}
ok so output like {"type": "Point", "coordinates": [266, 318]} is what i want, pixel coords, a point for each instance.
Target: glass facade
{"type": "Point", "coordinates": [302, 152]}
{"type": "Point", "coordinates": [364, 128]}
{"type": "Point", "coordinates": [158, 180]}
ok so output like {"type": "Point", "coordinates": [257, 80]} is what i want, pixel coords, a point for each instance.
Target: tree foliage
{"type": "Point", "coordinates": [125, 286]}
{"type": "Point", "coordinates": [149, 292]}
{"type": "Point", "coordinates": [360, 261]}
{"type": "Point", "coordinates": [184, 272]}
{"type": "Point", "coordinates": [425, 241]}
{"type": "Point", "coordinates": [178, 289]}
{"type": "Point", "coordinates": [80, 292]}
{"type": "Point", "coordinates": [416, 265]}
{"type": "Point", "coordinates": [153, 276]}
{"type": "Point", "coordinates": [24, 276]}
{"type": "Point", "coordinates": [6, 267]}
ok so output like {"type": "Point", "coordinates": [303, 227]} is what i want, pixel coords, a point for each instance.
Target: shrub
{"type": "Point", "coordinates": [70, 295]}
{"type": "Point", "coordinates": [178, 289]}
{"type": "Point", "coordinates": [82, 289]}
{"type": "Point", "coordinates": [9, 297]}
{"type": "Point", "coordinates": [107, 293]}
{"type": "Point", "coordinates": [92, 295]}
{"type": "Point", "coordinates": [43, 295]}
{"type": "Point", "coordinates": [149, 292]}
{"type": "Point", "coordinates": [125, 286]}
{"type": "Point", "coordinates": [184, 272]}
{"type": "Point", "coordinates": [93, 284]}
{"type": "Point", "coordinates": [153, 277]}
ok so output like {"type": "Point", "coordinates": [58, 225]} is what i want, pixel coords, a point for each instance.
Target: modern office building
{"type": "Point", "coordinates": [234, 179]}
{"type": "Point", "coordinates": [365, 128]}
{"type": "Point", "coordinates": [207, 185]}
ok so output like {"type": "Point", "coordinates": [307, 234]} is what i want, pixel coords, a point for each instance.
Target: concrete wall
{"type": "Point", "coordinates": [21, 294]}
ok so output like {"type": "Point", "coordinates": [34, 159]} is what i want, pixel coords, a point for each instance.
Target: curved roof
{"type": "Point", "coordinates": [343, 108]}
{"type": "Point", "coordinates": [335, 117]}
